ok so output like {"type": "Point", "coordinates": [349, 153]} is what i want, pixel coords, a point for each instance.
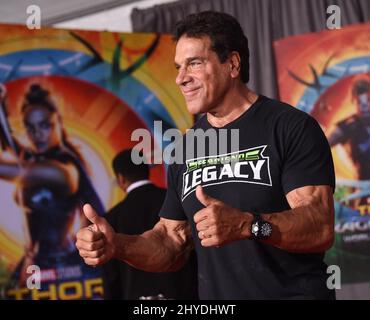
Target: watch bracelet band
{"type": "Point", "coordinates": [261, 224]}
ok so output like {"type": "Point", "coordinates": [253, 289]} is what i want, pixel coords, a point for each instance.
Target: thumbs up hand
{"type": "Point", "coordinates": [218, 223]}
{"type": "Point", "coordinates": [95, 243]}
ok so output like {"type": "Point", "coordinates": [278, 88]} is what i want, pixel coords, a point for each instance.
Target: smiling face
{"type": "Point", "coordinates": [202, 78]}
{"type": "Point", "coordinates": [43, 128]}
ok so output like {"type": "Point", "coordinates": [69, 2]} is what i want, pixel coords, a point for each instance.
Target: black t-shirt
{"type": "Point", "coordinates": [280, 149]}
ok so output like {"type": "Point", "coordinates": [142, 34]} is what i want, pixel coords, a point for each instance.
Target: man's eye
{"type": "Point", "coordinates": [195, 63]}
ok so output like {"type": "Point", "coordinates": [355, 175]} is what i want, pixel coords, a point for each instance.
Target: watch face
{"type": "Point", "coordinates": [266, 229]}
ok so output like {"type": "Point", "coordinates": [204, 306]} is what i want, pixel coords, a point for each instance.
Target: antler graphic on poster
{"type": "Point", "coordinates": [316, 84]}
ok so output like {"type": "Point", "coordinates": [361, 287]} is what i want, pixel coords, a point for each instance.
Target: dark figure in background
{"type": "Point", "coordinates": [51, 186]}
{"type": "Point", "coordinates": [137, 213]}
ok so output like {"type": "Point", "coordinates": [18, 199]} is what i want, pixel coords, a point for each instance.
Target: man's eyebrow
{"type": "Point", "coordinates": [195, 58]}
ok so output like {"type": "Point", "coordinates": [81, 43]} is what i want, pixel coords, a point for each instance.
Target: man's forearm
{"type": "Point", "coordinates": [150, 252]}
{"type": "Point", "coordinates": [307, 227]}
{"type": "Point", "coordinates": [301, 229]}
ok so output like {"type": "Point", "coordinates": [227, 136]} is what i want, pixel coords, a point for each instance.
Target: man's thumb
{"type": "Point", "coordinates": [203, 198]}
{"type": "Point", "coordinates": [92, 216]}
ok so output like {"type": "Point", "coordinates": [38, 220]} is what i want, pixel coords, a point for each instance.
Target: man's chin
{"type": "Point", "coordinates": [196, 108]}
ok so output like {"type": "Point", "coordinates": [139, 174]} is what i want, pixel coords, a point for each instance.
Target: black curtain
{"type": "Point", "coordinates": [263, 22]}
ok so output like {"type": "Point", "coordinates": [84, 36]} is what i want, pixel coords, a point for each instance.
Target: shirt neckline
{"type": "Point", "coordinates": [247, 113]}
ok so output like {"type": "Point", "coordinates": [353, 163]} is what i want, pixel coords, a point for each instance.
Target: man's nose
{"type": "Point", "coordinates": [182, 77]}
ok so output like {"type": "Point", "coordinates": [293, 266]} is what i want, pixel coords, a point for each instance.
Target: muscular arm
{"type": "Point", "coordinates": [164, 248]}
{"type": "Point", "coordinates": [307, 227]}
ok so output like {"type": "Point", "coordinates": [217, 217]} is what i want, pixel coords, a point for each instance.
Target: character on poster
{"type": "Point", "coordinates": [355, 130]}
{"type": "Point", "coordinates": [52, 184]}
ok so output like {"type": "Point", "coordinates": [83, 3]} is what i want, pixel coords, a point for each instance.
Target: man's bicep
{"type": "Point", "coordinates": [319, 196]}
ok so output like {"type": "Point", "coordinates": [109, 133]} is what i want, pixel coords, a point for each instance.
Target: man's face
{"type": "Point", "coordinates": [202, 79]}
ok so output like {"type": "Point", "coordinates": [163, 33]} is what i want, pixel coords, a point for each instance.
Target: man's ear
{"type": "Point", "coordinates": [235, 64]}
{"type": "Point", "coordinates": [121, 181]}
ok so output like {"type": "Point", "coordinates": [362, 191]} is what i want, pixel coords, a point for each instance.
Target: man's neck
{"type": "Point", "coordinates": [235, 104]}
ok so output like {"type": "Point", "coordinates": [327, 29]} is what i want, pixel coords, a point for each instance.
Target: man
{"type": "Point", "coordinates": [137, 213]}
{"type": "Point", "coordinates": [260, 231]}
